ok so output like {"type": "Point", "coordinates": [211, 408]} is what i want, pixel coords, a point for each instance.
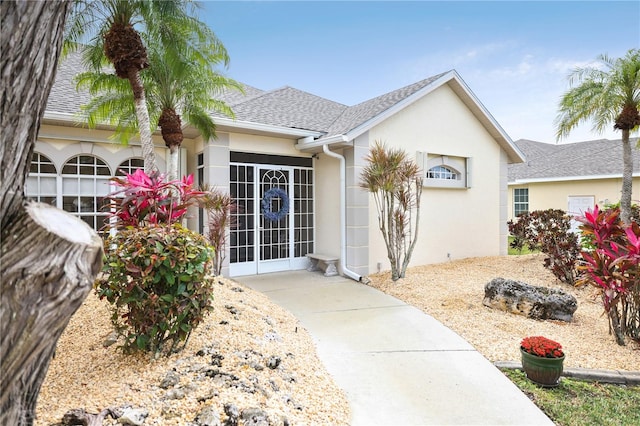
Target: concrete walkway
{"type": "Point", "coordinates": [397, 365]}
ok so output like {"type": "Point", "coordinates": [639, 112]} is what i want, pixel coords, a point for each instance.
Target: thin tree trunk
{"type": "Point", "coordinates": [144, 123]}
{"type": "Point", "coordinates": [48, 258]}
{"type": "Point", "coordinates": [172, 167]}
{"type": "Point", "coordinates": [627, 178]}
{"type": "Point", "coordinates": [614, 318]}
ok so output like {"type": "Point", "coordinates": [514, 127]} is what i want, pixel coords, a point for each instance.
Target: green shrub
{"type": "Point", "coordinates": [549, 231]}
{"type": "Point", "coordinates": [156, 281]}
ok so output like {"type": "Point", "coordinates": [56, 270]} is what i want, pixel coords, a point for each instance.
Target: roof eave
{"type": "Point", "coordinates": [567, 178]}
{"type": "Point", "coordinates": [231, 125]}
{"type": "Point", "coordinates": [315, 146]}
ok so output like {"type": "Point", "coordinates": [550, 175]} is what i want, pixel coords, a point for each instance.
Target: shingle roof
{"type": "Point", "coordinates": [359, 114]}
{"type": "Point", "coordinates": [546, 161]}
{"type": "Point", "coordinates": [289, 107]}
{"type": "Point", "coordinates": [233, 97]}
{"type": "Point", "coordinates": [284, 107]}
{"type": "Point", "coordinates": [64, 98]}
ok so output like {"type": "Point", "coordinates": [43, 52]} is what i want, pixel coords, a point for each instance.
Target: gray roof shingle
{"type": "Point", "coordinates": [601, 157]}
{"type": "Point", "coordinates": [359, 114]}
{"type": "Point", "coordinates": [285, 107]}
{"type": "Point", "coordinates": [64, 98]}
{"type": "Point", "coordinates": [289, 107]}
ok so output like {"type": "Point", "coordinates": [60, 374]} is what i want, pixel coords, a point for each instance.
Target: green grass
{"type": "Point", "coordinates": [576, 402]}
{"type": "Point", "coordinates": [514, 252]}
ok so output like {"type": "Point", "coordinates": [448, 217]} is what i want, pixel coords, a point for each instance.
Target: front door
{"type": "Point", "coordinates": [272, 225]}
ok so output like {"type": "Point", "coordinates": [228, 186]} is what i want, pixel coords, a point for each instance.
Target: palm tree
{"type": "Point", "coordinates": [609, 93]}
{"type": "Point", "coordinates": [395, 181]}
{"type": "Point", "coordinates": [114, 39]}
{"type": "Point", "coordinates": [181, 81]}
{"type": "Point", "coordinates": [186, 85]}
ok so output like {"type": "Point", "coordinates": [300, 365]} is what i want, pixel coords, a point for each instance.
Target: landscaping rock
{"type": "Point", "coordinates": [171, 379]}
{"type": "Point", "coordinates": [133, 416]}
{"type": "Point", "coordinates": [531, 301]}
{"type": "Point", "coordinates": [254, 417]}
{"type": "Point", "coordinates": [273, 362]}
{"type": "Point", "coordinates": [233, 414]}
{"type": "Point", "coordinates": [208, 417]}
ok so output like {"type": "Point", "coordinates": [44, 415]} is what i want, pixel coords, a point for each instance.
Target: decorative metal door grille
{"type": "Point", "coordinates": [303, 211]}
{"type": "Point", "coordinates": [242, 233]}
{"type": "Point", "coordinates": [276, 241]}
{"type": "Point", "coordinates": [274, 234]}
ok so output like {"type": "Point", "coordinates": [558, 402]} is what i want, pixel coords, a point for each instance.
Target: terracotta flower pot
{"type": "Point", "coordinates": [544, 372]}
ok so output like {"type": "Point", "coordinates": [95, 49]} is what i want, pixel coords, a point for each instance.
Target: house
{"type": "Point", "coordinates": [313, 150]}
{"type": "Point", "coordinates": [572, 177]}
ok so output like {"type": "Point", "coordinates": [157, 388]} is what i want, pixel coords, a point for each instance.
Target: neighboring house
{"type": "Point", "coordinates": [313, 149]}
{"type": "Point", "coordinates": [572, 177]}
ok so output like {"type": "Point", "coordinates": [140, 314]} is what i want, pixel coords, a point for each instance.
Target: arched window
{"type": "Point", "coordinates": [129, 166]}
{"type": "Point", "coordinates": [85, 183]}
{"type": "Point", "coordinates": [42, 180]}
{"type": "Point", "coordinates": [442, 172]}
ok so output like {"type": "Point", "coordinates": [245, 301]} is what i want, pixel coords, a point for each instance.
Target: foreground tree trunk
{"type": "Point", "coordinates": [48, 258]}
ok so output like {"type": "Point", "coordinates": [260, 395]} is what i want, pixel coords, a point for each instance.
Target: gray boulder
{"type": "Point", "coordinates": [528, 300]}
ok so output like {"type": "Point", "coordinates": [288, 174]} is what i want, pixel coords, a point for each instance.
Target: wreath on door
{"type": "Point", "coordinates": [266, 204]}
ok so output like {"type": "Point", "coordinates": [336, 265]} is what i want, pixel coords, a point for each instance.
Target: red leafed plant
{"type": "Point", "coordinates": [613, 266]}
{"type": "Point", "coordinates": [542, 347]}
{"type": "Point", "coordinates": [156, 271]}
{"type": "Point", "coordinates": [148, 199]}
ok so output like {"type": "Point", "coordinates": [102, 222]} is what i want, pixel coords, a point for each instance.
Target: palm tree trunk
{"type": "Point", "coordinates": [172, 167]}
{"type": "Point", "coordinates": [627, 178]}
{"type": "Point", "coordinates": [144, 123]}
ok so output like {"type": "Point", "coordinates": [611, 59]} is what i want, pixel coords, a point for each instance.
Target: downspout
{"type": "Point", "coordinates": [343, 213]}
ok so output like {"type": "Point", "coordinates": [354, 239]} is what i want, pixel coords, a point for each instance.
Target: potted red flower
{"type": "Point", "coordinates": [542, 360]}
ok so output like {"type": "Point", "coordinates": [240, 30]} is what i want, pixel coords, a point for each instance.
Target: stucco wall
{"type": "Point", "coordinates": [327, 197]}
{"type": "Point", "coordinates": [554, 195]}
{"type": "Point", "coordinates": [263, 145]}
{"type": "Point", "coordinates": [61, 143]}
{"type": "Point", "coordinates": [456, 222]}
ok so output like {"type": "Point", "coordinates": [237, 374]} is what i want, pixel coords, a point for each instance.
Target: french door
{"type": "Point", "coordinates": [272, 228]}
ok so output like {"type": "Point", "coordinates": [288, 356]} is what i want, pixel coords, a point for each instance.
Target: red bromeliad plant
{"type": "Point", "coordinates": [613, 266]}
{"type": "Point", "coordinates": [148, 199]}
{"type": "Point", "coordinates": [542, 347]}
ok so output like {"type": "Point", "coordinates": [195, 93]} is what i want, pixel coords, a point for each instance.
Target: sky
{"type": "Point", "coordinates": [514, 55]}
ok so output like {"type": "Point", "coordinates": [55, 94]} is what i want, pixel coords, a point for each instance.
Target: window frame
{"type": "Point", "coordinates": [518, 201]}
{"type": "Point", "coordinates": [457, 166]}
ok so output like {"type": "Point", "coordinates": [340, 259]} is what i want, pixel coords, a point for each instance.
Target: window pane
{"type": "Point", "coordinates": [70, 186]}
{"type": "Point", "coordinates": [103, 171]}
{"type": "Point", "coordinates": [69, 169]}
{"type": "Point", "coordinates": [102, 187]}
{"type": "Point", "coordinates": [31, 186]}
{"type": "Point", "coordinates": [47, 168]}
{"type": "Point", "coordinates": [48, 185]}
{"type": "Point", "coordinates": [87, 187]}
{"type": "Point", "coordinates": [48, 200]}
{"type": "Point", "coordinates": [70, 204]}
